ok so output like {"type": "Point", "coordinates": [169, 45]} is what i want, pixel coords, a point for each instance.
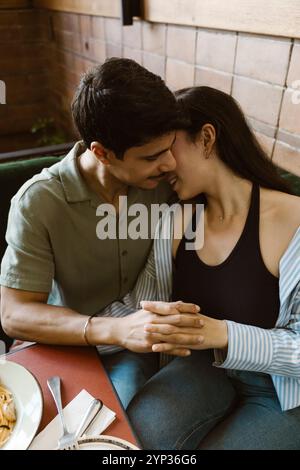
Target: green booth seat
{"type": "Point", "coordinates": [12, 176]}
{"type": "Point", "coordinates": [293, 180]}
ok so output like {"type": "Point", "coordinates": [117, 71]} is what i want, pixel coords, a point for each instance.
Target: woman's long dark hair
{"type": "Point", "coordinates": [236, 144]}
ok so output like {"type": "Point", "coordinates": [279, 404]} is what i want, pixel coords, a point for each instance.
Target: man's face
{"type": "Point", "coordinates": [147, 165]}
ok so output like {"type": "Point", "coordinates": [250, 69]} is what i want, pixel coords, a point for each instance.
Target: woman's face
{"type": "Point", "coordinates": [191, 166]}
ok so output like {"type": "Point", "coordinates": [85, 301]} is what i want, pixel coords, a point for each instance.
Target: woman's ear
{"type": "Point", "coordinates": [208, 135]}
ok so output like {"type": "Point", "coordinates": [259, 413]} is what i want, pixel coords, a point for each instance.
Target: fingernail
{"type": "Point", "coordinates": [148, 327]}
{"type": "Point", "coordinates": [187, 353]}
{"type": "Point", "coordinates": [197, 308]}
{"type": "Point", "coordinates": [200, 339]}
{"type": "Point", "coordinates": [201, 322]}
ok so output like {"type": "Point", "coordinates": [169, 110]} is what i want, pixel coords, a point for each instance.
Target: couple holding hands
{"type": "Point", "coordinates": [202, 345]}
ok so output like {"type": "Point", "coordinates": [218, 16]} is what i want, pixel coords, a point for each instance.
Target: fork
{"type": "Point", "coordinates": [87, 420]}
{"type": "Point", "coordinates": [67, 438]}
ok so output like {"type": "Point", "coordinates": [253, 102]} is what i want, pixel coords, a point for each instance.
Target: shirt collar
{"type": "Point", "coordinates": [75, 188]}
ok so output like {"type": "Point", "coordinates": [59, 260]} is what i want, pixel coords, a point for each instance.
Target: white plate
{"type": "Point", "coordinates": [105, 443]}
{"type": "Point", "coordinates": [28, 400]}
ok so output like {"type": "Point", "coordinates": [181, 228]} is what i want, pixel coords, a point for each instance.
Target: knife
{"type": "Point", "coordinates": [89, 416]}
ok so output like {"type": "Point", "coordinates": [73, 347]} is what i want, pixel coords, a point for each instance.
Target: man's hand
{"type": "Point", "coordinates": [132, 334]}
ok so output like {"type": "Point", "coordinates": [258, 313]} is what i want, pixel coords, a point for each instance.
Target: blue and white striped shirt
{"type": "Point", "coordinates": [275, 351]}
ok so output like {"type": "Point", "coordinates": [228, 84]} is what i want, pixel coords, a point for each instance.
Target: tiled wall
{"type": "Point", "coordinates": [259, 71]}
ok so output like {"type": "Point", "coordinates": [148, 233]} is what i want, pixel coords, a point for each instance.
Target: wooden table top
{"type": "Point", "coordinates": [79, 368]}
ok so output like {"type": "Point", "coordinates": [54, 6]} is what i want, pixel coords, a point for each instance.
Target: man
{"type": "Point", "coordinates": [56, 272]}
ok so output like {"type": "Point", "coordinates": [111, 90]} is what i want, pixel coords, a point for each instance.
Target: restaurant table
{"type": "Point", "coordinates": [79, 368]}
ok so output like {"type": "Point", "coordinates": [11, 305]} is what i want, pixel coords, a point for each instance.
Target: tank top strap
{"type": "Point", "coordinates": [251, 228]}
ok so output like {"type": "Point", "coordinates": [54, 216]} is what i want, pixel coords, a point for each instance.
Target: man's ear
{"type": "Point", "coordinates": [100, 152]}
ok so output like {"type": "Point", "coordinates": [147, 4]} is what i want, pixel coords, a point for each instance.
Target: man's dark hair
{"type": "Point", "coordinates": [121, 105]}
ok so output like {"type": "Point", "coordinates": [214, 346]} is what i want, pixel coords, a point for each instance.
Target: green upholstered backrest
{"type": "Point", "coordinates": [12, 176]}
{"type": "Point", "coordinates": [294, 180]}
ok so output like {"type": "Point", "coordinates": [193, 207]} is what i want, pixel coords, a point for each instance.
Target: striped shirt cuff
{"type": "Point", "coordinates": [249, 348]}
{"type": "Point", "coordinates": [103, 350]}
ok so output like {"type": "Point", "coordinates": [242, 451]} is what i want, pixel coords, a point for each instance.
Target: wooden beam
{"type": "Point", "coordinates": [10, 4]}
{"type": "Point", "coordinates": [88, 7]}
{"type": "Point", "coordinates": [271, 17]}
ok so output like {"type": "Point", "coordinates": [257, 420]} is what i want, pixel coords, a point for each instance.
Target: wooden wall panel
{"type": "Point", "coordinates": [14, 4]}
{"type": "Point", "coordinates": [88, 7]}
{"type": "Point", "coordinates": [270, 17]}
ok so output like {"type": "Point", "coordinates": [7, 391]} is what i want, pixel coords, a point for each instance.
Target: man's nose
{"type": "Point", "coordinates": [168, 163]}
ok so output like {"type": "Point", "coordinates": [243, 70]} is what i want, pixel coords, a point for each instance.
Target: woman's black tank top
{"type": "Point", "coordinates": [241, 288]}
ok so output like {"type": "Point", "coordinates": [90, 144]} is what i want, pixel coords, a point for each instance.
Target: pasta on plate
{"type": "Point", "coordinates": [7, 414]}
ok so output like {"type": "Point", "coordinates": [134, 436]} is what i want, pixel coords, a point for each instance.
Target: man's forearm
{"type": "Point", "coordinates": [49, 324]}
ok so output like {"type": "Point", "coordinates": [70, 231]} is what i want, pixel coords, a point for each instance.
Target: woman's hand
{"type": "Point", "coordinates": [131, 334]}
{"type": "Point", "coordinates": [210, 335]}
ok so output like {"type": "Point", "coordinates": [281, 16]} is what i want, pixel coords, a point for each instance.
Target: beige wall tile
{"type": "Point", "coordinates": [262, 127]}
{"type": "Point", "coordinates": [258, 100]}
{"type": "Point", "coordinates": [266, 142]}
{"type": "Point", "coordinates": [132, 35]}
{"type": "Point", "coordinates": [290, 113]}
{"type": "Point", "coordinates": [85, 24]}
{"type": "Point", "coordinates": [133, 54]}
{"type": "Point", "coordinates": [87, 64]}
{"type": "Point", "coordinates": [97, 50]}
{"type": "Point", "coordinates": [294, 70]}
{"type": "Point", "coordinates": [287, 157]}
{"type": "Point", "coordinates": [113, 50]}
{"type": "Point", "coordinates": [181, 43]}
{"type": "Point", "coordinates": [113, 30]}
{"type": "Point", "coordinates": [216, 50]}
{"type": "Point", "coordinates": [78, 65]}
{"type": "Point", "coordinates": [179, 74]}
{"type": "Point", "coordinates": [287, 138]}
{"type": "Point", "coordinates": [213, 78]}
{"type": "Point", "coordinates": [263, 58]}
{"type": "Point", "coordinates": [155, 63]}
{"type": "Point", "coordinates": [77, 43]}
{"type": "Point", "coordinates": [98, 30]}
{"type": "Point", "coordinates": [66, 21]}
{"type": "Point", "coordinates": [154, 38]}
{"type": "Point", "coordinates": [70, 41]}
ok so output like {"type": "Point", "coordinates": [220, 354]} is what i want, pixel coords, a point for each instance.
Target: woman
{"type": "Point", "coordinates": [245, 278]}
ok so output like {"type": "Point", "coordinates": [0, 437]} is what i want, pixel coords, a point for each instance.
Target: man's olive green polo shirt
{"type": "Point", "coordinates": [53, 245]}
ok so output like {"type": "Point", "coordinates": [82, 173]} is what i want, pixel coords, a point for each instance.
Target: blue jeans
{"type": "Point", "coordinates": [129, 371]}
{"type": "Point", "coordinates": [190, 404]}
{"type": "Point", "coordinates": [257, 421]}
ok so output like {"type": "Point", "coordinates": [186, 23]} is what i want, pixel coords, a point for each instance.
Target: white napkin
{"type": "Point", "coordinates": [73, 412]}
